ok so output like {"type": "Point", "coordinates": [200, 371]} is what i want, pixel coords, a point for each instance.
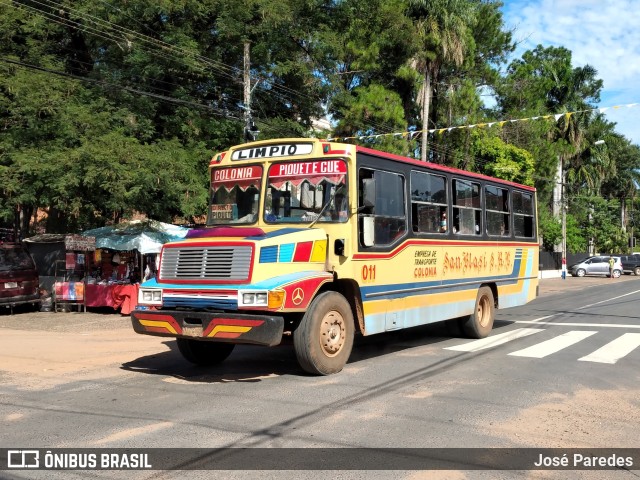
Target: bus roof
{"type": "Point", "coordinates": [442, 168]}
{"type": "Point", "coordinates": [358, 149]}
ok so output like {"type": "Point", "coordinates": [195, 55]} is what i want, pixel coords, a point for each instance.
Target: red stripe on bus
{"type": "Point", "coordinates": [234, 322]}
{"type": "Point", "coordinates": [228, 334]}
{"type": "Point", "coordinates": [440, 243]}
{"type": "Point", "coordinates": [303, 252]}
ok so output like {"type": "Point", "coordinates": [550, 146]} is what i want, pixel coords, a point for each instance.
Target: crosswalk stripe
{"type": "Point", "coordinates": [614, 350]}
{"type": "Point", "coordinates": [583, 324]}
{"type": "Point", "coordinates": [553, 345]}
{"type": "Point", "coordinates": [494, 340]}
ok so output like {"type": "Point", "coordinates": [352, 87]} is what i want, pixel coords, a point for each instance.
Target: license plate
{"type": "Point", "coordinates": [10, 284]}
{"type": "Point", "coordinates": [192, 330]}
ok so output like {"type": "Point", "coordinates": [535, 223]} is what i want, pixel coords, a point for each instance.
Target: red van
{"type": "Point", "coordinates": [19, 282]}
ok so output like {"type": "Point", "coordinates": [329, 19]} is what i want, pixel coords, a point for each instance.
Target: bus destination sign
{"type": "Point", "coordinates": [273, 151]}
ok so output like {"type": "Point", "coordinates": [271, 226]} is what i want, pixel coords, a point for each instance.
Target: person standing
{"type": "Point", "coordinates": [611, 265]}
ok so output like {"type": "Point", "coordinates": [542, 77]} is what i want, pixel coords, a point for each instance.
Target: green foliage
{"type": "Point", "coordinates": [577, 241]}
{"type": "Point", "coordinates": [599, 220]}
{"type": "Point", "coordinates": [505, 161]}
{"type": "Point", "coordinates": [376, 105]}
{"type": "Point", "coordinates": [550, 229]}
{"type": "Point", "coordinates": [108, 110]}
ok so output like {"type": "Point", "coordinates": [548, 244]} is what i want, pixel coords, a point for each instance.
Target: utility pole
{"type": "Point", "coordinates": [250, 130]}
{"type": "Point", "coordinates": [564, 223]}
{"type": "Point", "coordinates": [424, 152]}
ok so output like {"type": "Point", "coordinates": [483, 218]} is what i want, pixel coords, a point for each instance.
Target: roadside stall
{"type": "Point", "coordinates": [125, 256]}
{"type": "Point", "coordinates": [71, 273]}
{"type": "Point", "coordinates": [63, 262]}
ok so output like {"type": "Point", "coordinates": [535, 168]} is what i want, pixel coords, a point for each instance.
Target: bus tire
{"type": "Point", "coordinates": [204, 353]}
{"type": "Point", "coordinates": [453, 327]}
{"type": "Point", "coordinates": [480, 322]}
{"type": "Point", "coordinates": [324, 338]}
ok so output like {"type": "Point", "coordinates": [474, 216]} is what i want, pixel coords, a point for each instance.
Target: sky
{"type": "Point", "coordinates": [602, 33]}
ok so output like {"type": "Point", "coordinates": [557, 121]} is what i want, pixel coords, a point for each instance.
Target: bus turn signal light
{"type": "Point", "coordinates": [276, 299]}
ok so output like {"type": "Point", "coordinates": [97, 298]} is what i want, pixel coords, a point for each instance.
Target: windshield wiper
{"type": "Point", "coordinates": [326, 205]}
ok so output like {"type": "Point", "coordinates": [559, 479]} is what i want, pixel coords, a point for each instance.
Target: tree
{"type": "Point", "coordinates": [543, 82]}
{"type": "Point", "coordinates": [367, 45]}
{"type": "Point", "coordinates": [377, 105]}
{"type": "Point", "coordinates": [505, 161]}
{"type": "Point", "coordinates": [621, 182]}
{"type": "Point", "coordinates": [442, 30]}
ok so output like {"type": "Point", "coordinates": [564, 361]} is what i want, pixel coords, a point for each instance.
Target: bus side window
{"type": "Point", "coordinates": [467, 210]}
{"type": "Point", "coordinates": [429, 203]}
{"type": "Point", "coordinates": [382, 196]}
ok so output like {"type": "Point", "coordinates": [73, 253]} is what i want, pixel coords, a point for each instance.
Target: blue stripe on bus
{"type": "Point", "coordinates": [396, 290]}
{"type": "Point", "coordinates": [276, 233]}
{"type": "Point", "coordinates": [188, 301]}
{"type": "Point", "coordinates": [268, 284]}
{"type": "Point", "coordinates": [286, 252]}
{"type": "Point", "coordinates": [269, 254]}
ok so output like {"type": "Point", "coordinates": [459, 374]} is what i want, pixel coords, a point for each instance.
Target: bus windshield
{"type": "Point", "coordinates": [235, 195]}
{"type": "Point", "coordinates": [307, 192]}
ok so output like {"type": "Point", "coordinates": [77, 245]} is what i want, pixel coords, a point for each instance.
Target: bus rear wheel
{"type": "Point", "coordinates": [480, 322]}
{"type": "Point", "coordinates": [204, 353]}
{"type": "Point", "coordinates": [324, 338]}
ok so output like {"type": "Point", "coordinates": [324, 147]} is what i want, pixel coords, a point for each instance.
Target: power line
{"type": "Point", "coordinates": [103, 83]}
{"type": "Point", "coordinates": [120, 35]}
{"type": "Point", "coordinates": [227, 70]}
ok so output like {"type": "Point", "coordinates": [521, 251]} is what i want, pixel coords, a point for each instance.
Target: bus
{"type": "Point", "coordinates": [320, 241]}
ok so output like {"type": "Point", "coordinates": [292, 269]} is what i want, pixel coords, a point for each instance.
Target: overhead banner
{"type": "Point", "coordinates": [415, 133]}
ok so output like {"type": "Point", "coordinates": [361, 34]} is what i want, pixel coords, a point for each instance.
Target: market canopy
{"type": "Point", "coordinates": [146, 236]}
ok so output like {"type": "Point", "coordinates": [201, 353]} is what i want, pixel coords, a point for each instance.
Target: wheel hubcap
{"type": "Point", "coordinates": [332, 333]}
{"type": "Point", "coordinates": [482, 313]}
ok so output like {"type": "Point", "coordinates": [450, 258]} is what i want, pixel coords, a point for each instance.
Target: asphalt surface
{"type": "Point", "coordinates": [86, 380]}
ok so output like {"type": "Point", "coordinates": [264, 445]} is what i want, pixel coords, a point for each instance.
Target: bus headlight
{"type": "Point", "coordinates": [150, 296]}
{"type": "Point", "coordinates": [253, 299]}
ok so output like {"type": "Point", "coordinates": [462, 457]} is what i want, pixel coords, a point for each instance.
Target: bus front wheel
{"type": "Point", "coordinates": [480, 322]}
{"type": "Point", "coordinates": [324, 338]}
{"type": "Point", "coordinates": [204, 353]}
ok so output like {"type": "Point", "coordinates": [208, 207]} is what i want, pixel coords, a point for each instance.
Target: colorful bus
{"type": "Point", "coordinates": [321, 241]}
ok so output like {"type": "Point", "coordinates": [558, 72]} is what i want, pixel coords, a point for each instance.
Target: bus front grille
{"type": "Point", "coordinates": [206, 263]}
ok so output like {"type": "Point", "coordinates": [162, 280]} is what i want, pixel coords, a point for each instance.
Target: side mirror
{"type": "Point", "coordinates": [368, 192]}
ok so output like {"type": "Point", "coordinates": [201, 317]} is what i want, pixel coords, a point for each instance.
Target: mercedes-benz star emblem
{"type": "Point", "coordinates": [298, 296]}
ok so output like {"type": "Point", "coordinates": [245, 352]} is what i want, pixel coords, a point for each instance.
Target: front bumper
{"type": "Point", "coordinates": [215, 327]}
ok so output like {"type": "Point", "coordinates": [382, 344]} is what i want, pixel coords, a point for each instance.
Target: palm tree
{"type": "Point", "coordinates": [443, 34]}
{"type": "Point", "coordinates": [626, 181]}
{"type": "Point", "coordinates": [583, 166]}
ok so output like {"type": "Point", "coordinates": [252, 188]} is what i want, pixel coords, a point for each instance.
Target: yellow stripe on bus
{"type": "Point", "coordinates": [373, 307]}
{"type": "Point", "coordinates": [319, 252]}
{"type": "Point", "coordinates": [228, 329]}
{"type": "Point", "coordinates": [158, 324]}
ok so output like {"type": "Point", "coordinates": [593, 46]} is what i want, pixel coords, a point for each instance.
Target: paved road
{"type": "Point", "coordinates": [551, 375]}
